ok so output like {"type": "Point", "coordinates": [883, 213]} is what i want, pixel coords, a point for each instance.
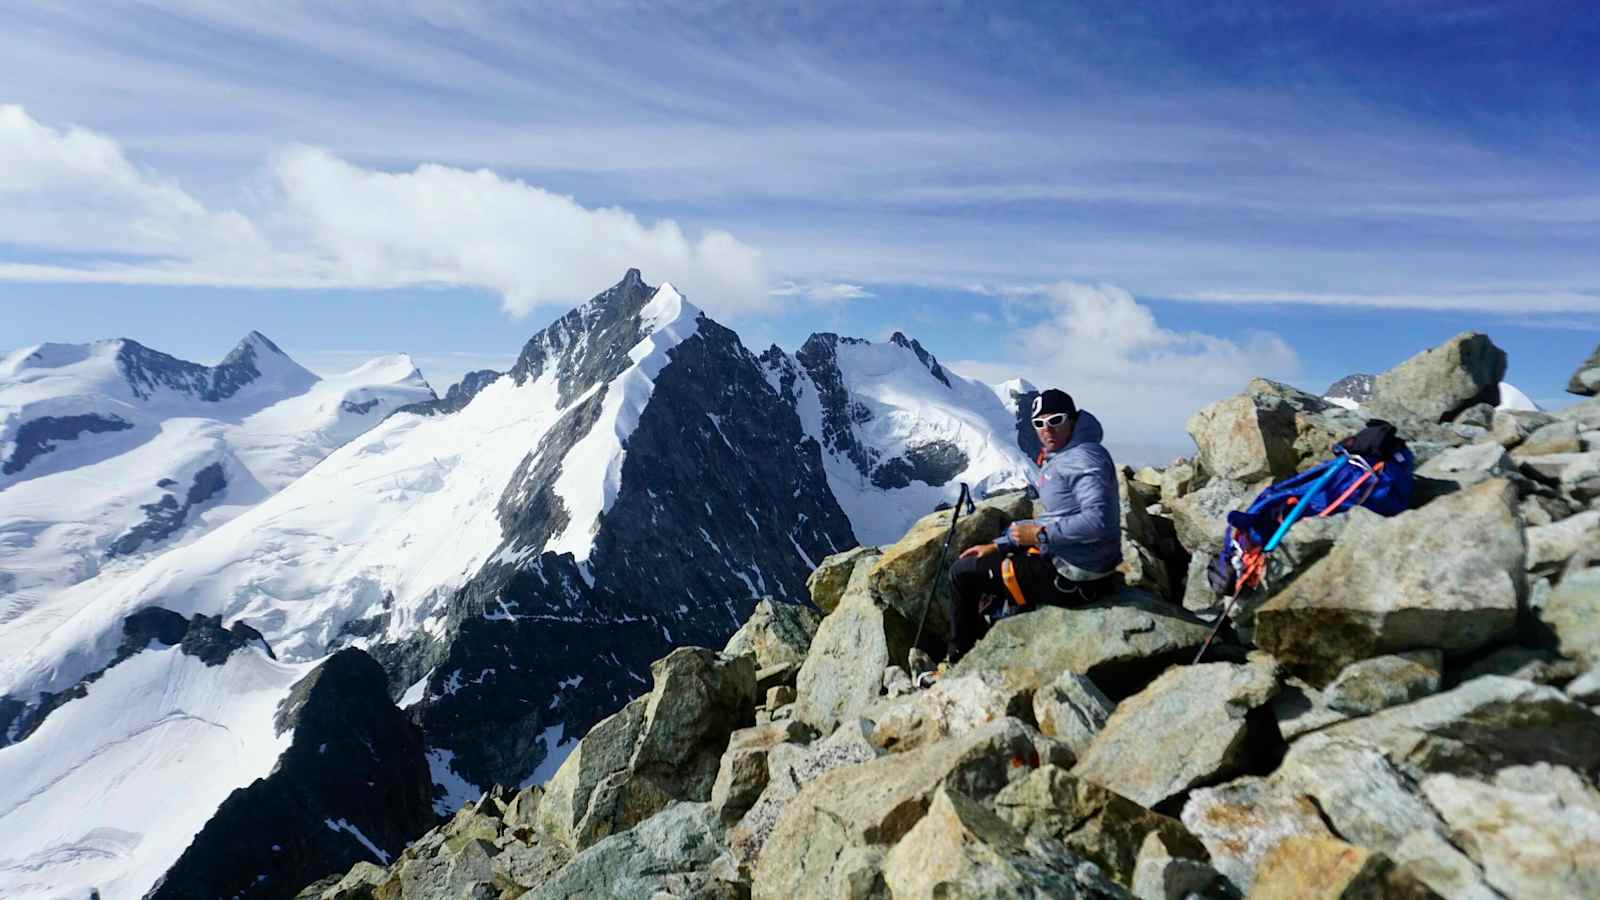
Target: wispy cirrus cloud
{"type": "Point", "coordinates": [1001, 146]}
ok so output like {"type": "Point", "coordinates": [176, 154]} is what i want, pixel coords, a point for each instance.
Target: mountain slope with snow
{"type": "Point", "coordinates": [514, 558]}
{"type": "Point", "coordinates": [114, 452]}
{"type": "Point", "coordinates": [898, 431]}
{"type": "Point", "coordinates": [112, 787]}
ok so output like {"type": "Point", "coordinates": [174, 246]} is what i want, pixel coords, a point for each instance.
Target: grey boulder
{"type": "Point", "coordinates": [1444, 576]}
{"type": "Point", "coordinates": [776, 633]}
{"type": "Point", "coordinates": [1441, 381]}
{"type": "Point", "coordinates": [1190, 726]}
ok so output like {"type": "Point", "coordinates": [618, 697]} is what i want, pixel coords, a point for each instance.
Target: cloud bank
{"type": "Point", "coordinates": [1141, 379]}
{"type": "Point", "coordinates": [320, 221]}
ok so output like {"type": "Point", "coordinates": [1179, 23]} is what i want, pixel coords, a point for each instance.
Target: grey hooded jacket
{"type": "Point", "coordinates": [1082, 528]}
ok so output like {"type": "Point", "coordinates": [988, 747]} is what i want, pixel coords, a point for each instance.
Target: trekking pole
{"type": "Point", "coordinates": [1272, 544]}
{"type": "Point", "coordinates": [955, 515]}
{"type": "Point", "coordinates": [1220, 619]}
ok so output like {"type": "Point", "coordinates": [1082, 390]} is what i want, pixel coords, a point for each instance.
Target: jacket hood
{"type": "Point", "coordinates": [1087, 430]}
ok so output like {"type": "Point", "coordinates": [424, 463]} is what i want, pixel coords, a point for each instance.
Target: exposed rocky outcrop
{"type": "Point", "coordinates": [1446, 576]}
{"type": "Point", "coordinates": [1367, 744]}
{"type": "Point", "coordinates": [166, 516]}
{"type": "Point", "coordinates": [1191, 726]}
{"type": "Point", "coordinates": [533, 626]}
{"type": "Point", "coordinates": [317, 812]}
{"type": "Point", "coordinates": [1585, 380]}
{"type": "Point", "coordinates": [775, 634]}
{"type": "Point", "coordinates": [1439, 382]}
{"type": "Point", "coordinates": [148, 370]}
{"type": "Point", "coordinates": [835, 573]}
{"type": "Point", "coordinates": [42, 435]}
{"type": "Point", "coordinates": [902, 577]}
{"type": "Point", "coordinates": [455, 398]}
{"type": "Point", "coordinates": [661, 748]}
{"type": "Point", "coordinates": [1120, 643]}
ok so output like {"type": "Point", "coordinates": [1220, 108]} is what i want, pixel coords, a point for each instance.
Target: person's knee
{"type": "Point", "coordinates": [962, 569]}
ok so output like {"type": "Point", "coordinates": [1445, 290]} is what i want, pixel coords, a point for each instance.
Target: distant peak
{"type": "Point", "coordinates": [1017, 387]}
{"type": "Point", "coordinates": [261, 340]}
{"type": "Point", "coordinates": [923, 356]}
{"type": "Point", "coordinates": [249, 346]}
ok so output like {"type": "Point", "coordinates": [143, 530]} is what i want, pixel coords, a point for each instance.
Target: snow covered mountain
{"type": "Point", "coordinates": [111, 452]}
{"type": "Point", "coordinates": [898, 431]}
{"type": "Point", "coordinates": [513, 555]}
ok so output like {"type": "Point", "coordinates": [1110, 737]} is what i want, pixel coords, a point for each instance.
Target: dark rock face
{"type": "Point", "coordinates": [152, 623]}
{"type": "Point", "coordinates": [146, 370]}
{"type": "Point", "coordinates": [589, 345]}
{"type": "Point", "coordinates": [166, 516]}
{"type": "Point", "coordinates": [1357, 387]}
{"type": "Point", "coordinates": [361, 408]}
{"type": "Point", "coordinates": [39, 436]}
{"type": "Point", "coordinates": [354, 775]}
{"type": "Point", "coordinates": [11, 715]}
{"type": "Point", "coordinates": [934, 463]}
{"type": "Point", "coordinates": [1585, 380]}
{"type": "Point", "coordinates": [777, 362]}
{"type": "Point", "coordinates": [717, 460]}
{"type": "Point", "coordinates": [207, 641]}
{"type": "Point", "coordinates": [529, 509]}
{"type": "Point", "coordinates": [456, 398]}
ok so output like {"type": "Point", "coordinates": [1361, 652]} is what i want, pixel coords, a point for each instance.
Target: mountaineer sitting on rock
{"type": "Point", "coordinates": [1067, 557]}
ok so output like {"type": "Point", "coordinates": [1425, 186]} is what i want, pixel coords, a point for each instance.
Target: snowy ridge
{"type": "Point", "coordinates": [162, 465]}
{"type": "Point", "coordinates": [398, 516]}
{"type": "Point", "coordinates": [591, 474]}
{"type": "Point", "coordinates": [112, 787]}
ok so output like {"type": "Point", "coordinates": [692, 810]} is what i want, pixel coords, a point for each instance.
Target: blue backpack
{"type": "Point", "coordinates": [1371, 468]}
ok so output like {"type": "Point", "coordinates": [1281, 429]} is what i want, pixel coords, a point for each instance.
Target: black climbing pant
{"type": "Point", "coordinates": [978, 590]}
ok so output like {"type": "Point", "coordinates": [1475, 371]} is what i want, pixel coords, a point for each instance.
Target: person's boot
{"type": "Point", "coordinates": [930, 678]}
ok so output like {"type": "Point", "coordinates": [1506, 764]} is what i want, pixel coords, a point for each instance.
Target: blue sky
{"type": "Point", "coordinates": [1146, 203]}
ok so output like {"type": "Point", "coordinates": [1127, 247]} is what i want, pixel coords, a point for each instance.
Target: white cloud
{"type": "Point", "coordinates": [72, 188]}
{"type": "Point", "coordinates": [325, 222]}
{"type": "Point", "coordinates": [1141, 379]}
{"type": "Point", "coordinates": [823, 292]}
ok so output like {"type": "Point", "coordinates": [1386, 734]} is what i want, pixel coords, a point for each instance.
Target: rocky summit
{"type": "Point", "coordinates": [1409, 709]}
